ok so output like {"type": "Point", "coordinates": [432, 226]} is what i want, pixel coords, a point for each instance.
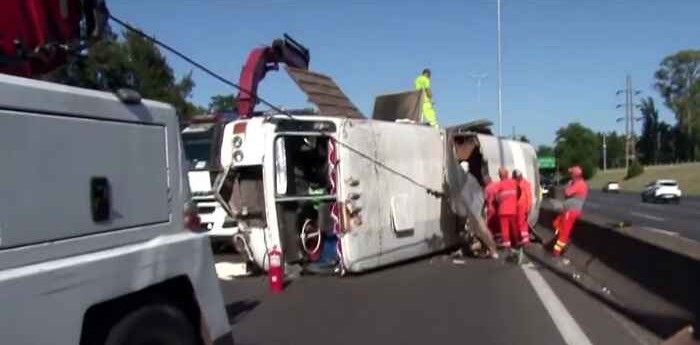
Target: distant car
{"type": "Point", "coordinates": [611, 187]}
{"type": "Point", "coordinates": [547, 186]}
{"type": "Point", "coordinates": [662, 190]}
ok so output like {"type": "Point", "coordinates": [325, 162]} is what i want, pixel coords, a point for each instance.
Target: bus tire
{"type": "Point", "coordinates": [153, 324]}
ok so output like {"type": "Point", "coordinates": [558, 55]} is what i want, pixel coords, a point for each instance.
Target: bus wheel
{"type": "Point", "coordinates": [153, 324]}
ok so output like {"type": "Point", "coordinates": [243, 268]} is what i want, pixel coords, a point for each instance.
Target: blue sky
{"type": "Point", "coordinates": [562, 60]}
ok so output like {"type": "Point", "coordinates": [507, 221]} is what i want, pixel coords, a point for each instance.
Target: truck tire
{"type": "Point", "coordinates": [153, 324]}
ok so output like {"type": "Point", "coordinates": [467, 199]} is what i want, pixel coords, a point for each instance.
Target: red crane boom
{"type": "Point", "coordinates": [263, 59]}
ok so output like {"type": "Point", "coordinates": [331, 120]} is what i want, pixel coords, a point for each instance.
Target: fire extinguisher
{"type": "Point", "coordinates": [275, 272]}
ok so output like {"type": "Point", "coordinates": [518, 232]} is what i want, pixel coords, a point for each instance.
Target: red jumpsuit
{"type": "Point", "coordinates": [507, 197]}
{"type": "Point", "coordinates": [490, 193]}
{"type": "Point", "coordinates": [524, 204]}
{"type": "Point", "coordinates": [575, 194]}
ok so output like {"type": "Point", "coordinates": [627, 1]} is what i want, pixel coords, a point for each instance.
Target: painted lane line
{"type": "Point", "coordinates": [592, 204]}
{"type": "Point", "coordinates": [662, 231]}
{"type": "Point", "coordinates": [658, 219]}
{"type": "Point", "coordinates": [566, 324]}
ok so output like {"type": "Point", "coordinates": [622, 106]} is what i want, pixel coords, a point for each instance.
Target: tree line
{"type": "Point", "coordinates": [129, 61]}
{"type": "Point", "coordinates": [678, 82]}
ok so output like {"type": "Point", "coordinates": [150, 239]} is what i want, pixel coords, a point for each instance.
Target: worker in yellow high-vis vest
{"type": "Point", "coordinates": [422, 82]}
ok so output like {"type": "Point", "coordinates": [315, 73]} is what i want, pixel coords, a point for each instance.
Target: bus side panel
{"type": "Point", "coordinates": [411, 218]}
{"type": "Point", "coordinates": [400, 220]}
{"type": "Point", "coordinates": [513, 155]}
{"type": "Point", "coordinates": [361, 245]}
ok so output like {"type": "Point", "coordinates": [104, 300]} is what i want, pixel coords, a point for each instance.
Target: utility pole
{"type": "Point", "coordinates": [633, 138]}
{"type": "Point", "coordinates": [479, 78]}
{"type": "Point", "coordinates": [605, 154]}
{"type": "Point", "coordinates": [628, 118]}
{"type": "Point", "coordinates": [627, 121]}
{"type": "Point", "coordinates": [500, 77]}
{"type": "Point", "coordinates": [689, 115]}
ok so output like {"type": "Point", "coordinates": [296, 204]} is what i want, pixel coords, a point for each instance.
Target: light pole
{"type": "Point", "coordinates": [605, 154]}
{"type": "Point", "coordinates": [479, 78]}
{"type": "Point", "coordinates": [500, 77]}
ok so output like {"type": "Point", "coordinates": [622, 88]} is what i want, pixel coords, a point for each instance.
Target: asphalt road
{"type": "Point", "coordinates": [430, 301]}
{"type": "Point", "coordinates": [670, 219]}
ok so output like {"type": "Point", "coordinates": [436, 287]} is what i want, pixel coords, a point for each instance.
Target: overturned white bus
{"type": "Point", "coordinates": [351, 192]}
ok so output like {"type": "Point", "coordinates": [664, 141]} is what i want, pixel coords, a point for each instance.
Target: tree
{"type": "Point", "coordinates": [222, 103]}
{"type": "Point", "coordinates": [678, 81]}
{"type": "Point", "coordinates": [129, 62]}
{"type": "Point", "coordinates": [667, 150]}
{"type": "Point", "coordinates": [649, 142]}
{"type": "Point", "coordinates": [576, 144]}
{"type": "Point", "coordinates": [615, 148]}
{"type": "Point", "coordinates": [154, 78]}
{"type": "Point", "coordinates": [523, 139]}
{"type": "Point", "coordinates": [544, 151]}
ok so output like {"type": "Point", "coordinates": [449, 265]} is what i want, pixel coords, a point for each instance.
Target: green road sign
{"type": "Point", "coordinates": [546, 162]}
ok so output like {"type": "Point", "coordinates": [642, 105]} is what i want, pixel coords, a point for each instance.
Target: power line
{"type": "Point", "coordinates": [196, 64]}
{"type": "Point", "coordinates": [390, 169]}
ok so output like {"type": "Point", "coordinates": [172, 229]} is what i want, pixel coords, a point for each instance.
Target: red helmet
{"type": "Point", "coordinates": [502, 173]}
{"type": "Point", "coordinates": [575, 171]}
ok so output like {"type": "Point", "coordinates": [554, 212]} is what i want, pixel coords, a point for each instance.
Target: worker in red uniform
{"type": "Point", "coordinates": [575, 194]}
{"type": "Point", "coordinates": [524, 205]}
{"type": "Point", "coordinates": [507, 198]}
{"type": "Point", "coordinates": [490, 192]}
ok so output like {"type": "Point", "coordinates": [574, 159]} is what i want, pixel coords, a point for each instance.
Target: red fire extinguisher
{"type": "Point", "coordinates": [275, 272]}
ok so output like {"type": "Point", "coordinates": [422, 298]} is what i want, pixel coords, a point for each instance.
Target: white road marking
{"type": "Point", "coordinates": [665, 232]}
{"type": "Point", "coordinates": [567, 326]}
{"type": "Point", "coordinates": [228, 270]}
{"type": "Point", "coordinates": [658, 219]}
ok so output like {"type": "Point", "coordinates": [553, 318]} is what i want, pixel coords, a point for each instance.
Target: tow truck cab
{"type": "Point", "coordinates": [202, 139]}
{"type": "Point", "coordinates": [97, 238]}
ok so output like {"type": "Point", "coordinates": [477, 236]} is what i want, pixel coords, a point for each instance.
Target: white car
{"type": "Point", "coordinates": [612, 187]}
{"type": "Point", "coordinates": [662, 190]}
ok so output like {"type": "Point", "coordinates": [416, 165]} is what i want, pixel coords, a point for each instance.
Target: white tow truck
{"type": "Point", "coordinates": [98, 240]}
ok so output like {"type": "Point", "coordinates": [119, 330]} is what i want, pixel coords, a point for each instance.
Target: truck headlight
{"type": "Point", "coordinates": [238, 156]}
{"type": "Point", "coordinates": [237, 142]}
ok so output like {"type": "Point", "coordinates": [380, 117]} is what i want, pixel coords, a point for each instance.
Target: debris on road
{"type": "Point", "coordinates": [230, 270]}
